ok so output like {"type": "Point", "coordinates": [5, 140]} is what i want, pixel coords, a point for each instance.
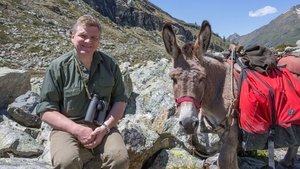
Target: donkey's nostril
{"type": "Point", "coordinates": [189, 125]}
{"type": "Point", "coordinates": [195, 123]}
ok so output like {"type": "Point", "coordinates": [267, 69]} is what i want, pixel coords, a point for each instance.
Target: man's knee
{"type": "Point", "coordinates": [117, 159]}
{"type": "Point", "coordinates": [67, 161]}
{"type": "Point", "coordinates": [64, 151]}
{"type": "Point", "coordinates": [122, 162]}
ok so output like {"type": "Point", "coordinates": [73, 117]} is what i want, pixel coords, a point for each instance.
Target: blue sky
{"type": "Point", "coordinates": [227, 16]}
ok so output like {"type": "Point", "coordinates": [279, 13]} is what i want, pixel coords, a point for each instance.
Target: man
{"type": "Point", "coordinates": [69, 85]}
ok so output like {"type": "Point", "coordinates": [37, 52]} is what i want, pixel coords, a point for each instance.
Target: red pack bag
{"type": "Point", "coordinates": [267, 100]}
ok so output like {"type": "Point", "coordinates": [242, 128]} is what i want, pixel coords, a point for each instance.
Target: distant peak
{"type": "Point", "coordinates": [297, 10]}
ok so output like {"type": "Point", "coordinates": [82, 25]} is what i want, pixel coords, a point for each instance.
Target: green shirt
{"type": "Point", "coordinates": [63, 87]}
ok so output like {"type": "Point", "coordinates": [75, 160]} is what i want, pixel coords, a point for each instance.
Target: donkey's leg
{"type": "Point", "coordinates": [228, 153]}
{"type": "Point", "coordinates": [289, 158]}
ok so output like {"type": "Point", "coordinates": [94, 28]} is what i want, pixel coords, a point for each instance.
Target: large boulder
{"type": "Point", "coordinates": [14, 142]}
{"type": "Point", "coordinates": [23, 163]}
{"type": "Point", "coordinates": [152, 89]}
{"type": "Point", "coordinates": [21, 110]}
{"type": "Point", "coordinates": [13, 83]}
{"type": "Point", "coordinates": [176, 158]}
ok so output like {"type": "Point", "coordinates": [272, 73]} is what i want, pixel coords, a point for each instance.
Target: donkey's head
{"type": "Point", "coordinates": [189, 77]}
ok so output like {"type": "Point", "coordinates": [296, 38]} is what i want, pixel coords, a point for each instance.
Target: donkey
{"type": "Point", "coordinates": [202, 89]}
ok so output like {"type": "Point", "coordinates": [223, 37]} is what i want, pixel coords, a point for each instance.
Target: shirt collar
{"type": "Point", "coordinates": [97, 60]}
{"type": "Point", "coordinates": [97, 57]}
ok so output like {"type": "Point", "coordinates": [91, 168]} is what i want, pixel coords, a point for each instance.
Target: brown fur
{"type": "Point", "coordinates": [208, 81]}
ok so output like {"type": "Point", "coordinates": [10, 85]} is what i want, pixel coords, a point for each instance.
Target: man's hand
{"type": "Point", "coordinates": [98, 135]}
{"type": "Point", "coordinates": [60, 122]}
{"type": "Point", "coordinates": [84, 134]}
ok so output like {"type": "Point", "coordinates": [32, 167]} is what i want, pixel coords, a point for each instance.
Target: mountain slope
{"type": "Point", "coordinates": [284, 29]}
{"type": "Point", "coordinates": [33, 32]}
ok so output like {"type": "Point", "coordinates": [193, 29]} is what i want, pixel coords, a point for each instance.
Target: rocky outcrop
{"type": "Point", "coordinates": [33, 33]}
{"type": "Point", "coordinates": [13, 83]}
{"type": "Point", "coordinates": [128, 12]}
{"type": "Point", "coordinates": [136, 13]}
{"type": "Point", "coordinates": [176, 158]}
{"type": "Point", "coordinates": [14, 142]}
{"type": "Point", "coordinates": [21, 110]}
{"type": "Point", "coordinates": [23, 163]}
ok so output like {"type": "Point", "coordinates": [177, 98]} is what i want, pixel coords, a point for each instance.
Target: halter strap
{"type": "Point", "coordinates": [187, 99]}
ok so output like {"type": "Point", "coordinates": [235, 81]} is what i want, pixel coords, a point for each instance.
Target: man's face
{"type": "Point", "coordinates": [86, 40]}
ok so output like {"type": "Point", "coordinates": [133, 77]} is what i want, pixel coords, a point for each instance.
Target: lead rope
{"type": "Point", "coordinates": [193, 149]}
{"type": "Point", "coordinates": [231, 109]}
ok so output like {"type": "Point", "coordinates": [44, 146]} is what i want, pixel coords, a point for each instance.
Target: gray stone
{"type": "Point", "coordinates": [13, 83]}
{"type": "Point", "coordinates": [176, 158]}
{"type": "Point", "coordinates": [21, 110]}
{"type": "Point", "coordinates": [23, 163]}
{"type": "Point", "coordinates": [14, 142]}
{"type": "Point", "coordinates": [141, 141]}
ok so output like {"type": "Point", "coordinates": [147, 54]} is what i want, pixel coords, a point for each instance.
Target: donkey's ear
{"type": "Point", "coordinates": [170, 41]}
{"type": "Point", "coordinates": [202, 43]}
{"type": "Point", "coordinates": [205, 35]}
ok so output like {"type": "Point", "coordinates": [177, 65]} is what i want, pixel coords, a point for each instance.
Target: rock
{"type": "Point", "coordinates": [43, 139]}
{"type": "Point", "coordinates": [23, 163]}
{"type": "Point", "coordinates": [176, 158]}
{"type": "Point", "coordinates": [14, 142]}
{"type": "Point", "coordinates": [141, 141]}
{"type": "Point", "coordinates": [152, 88]}
{"type": "Point", "coordinates": [21, 110]}
{"type": "Point", "coordinates": [126, 78]}
{"type": "Point", "coordinates": [13, 83]}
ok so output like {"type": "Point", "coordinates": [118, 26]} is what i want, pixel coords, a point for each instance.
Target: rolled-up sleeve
{"type": "Point", "coordinates": [51, 91]}
{"type": "Point", "coordinates": [118, 93]}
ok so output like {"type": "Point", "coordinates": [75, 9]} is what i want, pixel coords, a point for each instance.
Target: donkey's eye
{"type": "Point", "coordinates": [174, 80]}
{"type": "Point", "coordinates": [201, 80]}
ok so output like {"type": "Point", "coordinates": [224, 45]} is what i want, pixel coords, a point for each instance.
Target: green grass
{"type": "Point", "coordinates": [4, 37]}
{"type": "Point", "coordinates": [34, 49]}
{"type": "Point", "coordinates": [258, 154]}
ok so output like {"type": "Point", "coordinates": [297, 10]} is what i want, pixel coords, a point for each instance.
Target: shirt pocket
{"type": "Point", "coordinates": [74, 102]}
{"type": "Point", "coordinates": [104, 89]}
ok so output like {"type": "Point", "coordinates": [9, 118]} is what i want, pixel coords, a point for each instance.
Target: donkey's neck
{"type": "Point", "coordinates": [217, 98]}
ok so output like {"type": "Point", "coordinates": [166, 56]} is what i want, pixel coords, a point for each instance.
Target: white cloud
{"type": "Point", "coordinates": [263, 11]}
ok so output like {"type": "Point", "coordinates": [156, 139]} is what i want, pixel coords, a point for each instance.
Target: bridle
{"type": "Point", "coordinates": [224, 124]}
{"type": "Point", "coordinates": [187, 99]}
{"type": "Point", "coordinates": [229, 119]}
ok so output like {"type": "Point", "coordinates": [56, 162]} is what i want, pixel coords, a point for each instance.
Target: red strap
{"type": "Point", "coordinates": [187, 99]}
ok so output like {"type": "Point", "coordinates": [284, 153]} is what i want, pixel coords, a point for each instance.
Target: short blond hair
{"type": "Point", "coordinates": [86, 20]}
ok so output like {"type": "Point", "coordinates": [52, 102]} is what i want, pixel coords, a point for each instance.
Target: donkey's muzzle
{"type": "Point", "coordinates": [189, 124]}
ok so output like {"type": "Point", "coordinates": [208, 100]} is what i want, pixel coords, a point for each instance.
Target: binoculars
{"type": "Point", "coordinates": [96, 111]}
